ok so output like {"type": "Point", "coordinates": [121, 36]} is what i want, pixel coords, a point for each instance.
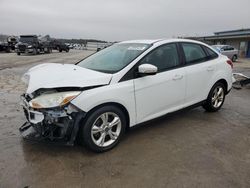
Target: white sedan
{"type": "Point", "coordinates": [128, 83]}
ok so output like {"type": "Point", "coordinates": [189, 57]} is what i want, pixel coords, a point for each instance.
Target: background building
{"type": "Point", "coordinates": [239, 39]}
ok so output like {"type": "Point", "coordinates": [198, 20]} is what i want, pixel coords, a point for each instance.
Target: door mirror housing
{"type": "Point", "coordinates": [147, 69]}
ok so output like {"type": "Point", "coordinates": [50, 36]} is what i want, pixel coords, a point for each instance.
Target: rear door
{"type": "Point", "coordinates": [199, 69]}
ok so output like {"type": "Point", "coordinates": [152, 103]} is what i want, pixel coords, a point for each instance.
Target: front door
{"type": "Point", "coordinates": [164, 92]}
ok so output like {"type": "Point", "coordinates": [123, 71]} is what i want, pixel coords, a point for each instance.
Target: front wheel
{"type": "Point", "coordinates": [215, 98]}
{"type": "Point", "coordinates": [103, 129]}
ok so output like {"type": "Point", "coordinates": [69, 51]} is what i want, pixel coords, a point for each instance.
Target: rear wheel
{"type": "Point", "coordinates": [103, 129]}
{"type": "Point", "coordinates": [215, 98]}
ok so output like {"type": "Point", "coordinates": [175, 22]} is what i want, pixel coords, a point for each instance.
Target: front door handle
{"type": "Point", "coordinates": [210, 69]}
{"type": "Point", "coordinates": [177, 77]}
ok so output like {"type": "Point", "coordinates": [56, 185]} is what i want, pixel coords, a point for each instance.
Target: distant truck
{"type": "Point", "coordinates": [60, 46]}
{"type": "Point", "coordinates": [12, 41]}
{"type": "Point", "coordinates": [4, 47]}
{"type": "Point", "coordinates": [9, 45]}
{"type": "Point", "coordinates": [33, 45]}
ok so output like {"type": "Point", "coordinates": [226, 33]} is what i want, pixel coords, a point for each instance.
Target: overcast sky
{"type": "Point", "coordinates": [122, 19]}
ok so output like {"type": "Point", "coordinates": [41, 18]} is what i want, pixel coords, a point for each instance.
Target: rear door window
{"type": "Point", "coordinates": [193, 53]}
{"type": "Point", "coordinates": [210, 53]}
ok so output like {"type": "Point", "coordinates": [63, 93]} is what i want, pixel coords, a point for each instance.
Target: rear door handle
{"type": "Point", "coordinates": [177, 77]}
{"type": "Point", "coordinates": [210, 69]}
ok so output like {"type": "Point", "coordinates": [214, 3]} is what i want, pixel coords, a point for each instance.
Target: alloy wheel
{"type": "Point", "coordinates": [218, 97]}
{"type": "Point", "coordinates": [106, 129]}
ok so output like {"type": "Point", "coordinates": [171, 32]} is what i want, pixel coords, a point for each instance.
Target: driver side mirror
{"type": "Point", "coordinates": [147, 69]}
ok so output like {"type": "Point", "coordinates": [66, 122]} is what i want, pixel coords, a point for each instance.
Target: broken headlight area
{"type": "Point", "coordinates": [58, 124]}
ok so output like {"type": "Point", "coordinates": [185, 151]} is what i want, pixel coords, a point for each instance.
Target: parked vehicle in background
{"type": "Point", "coordinates": [9, 44]}
{"type": "Point", "coordinates": [60, 46]}
{"type": "Point", "coordinates": [12, 41]}
{"type": "Point", "coordinates": [128, 83]}
{"type": "Point", "coordinates": [33, 45]}
{"type": "Point", "coordinates": [229, 51]}
{"type": "Point", "coordinates": [4, 47]}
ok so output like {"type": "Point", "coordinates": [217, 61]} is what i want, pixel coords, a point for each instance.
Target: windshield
{"type": "Point", "coordinates": [114, 58]}
{"type": "Point", "coordinates": [28, 39]}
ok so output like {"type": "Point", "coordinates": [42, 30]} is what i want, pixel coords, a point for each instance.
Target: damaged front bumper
{"type": "Point", "coordinates": [58, 125]}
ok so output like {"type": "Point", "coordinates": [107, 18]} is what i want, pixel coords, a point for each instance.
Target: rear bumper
{"type": "Point", "coordinates": [58, 125]}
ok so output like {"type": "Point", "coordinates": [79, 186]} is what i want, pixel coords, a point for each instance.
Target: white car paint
{"type": "Point", "coordinates": [144, 98]}
{"type": "Point", "coordinates": [52, 75]}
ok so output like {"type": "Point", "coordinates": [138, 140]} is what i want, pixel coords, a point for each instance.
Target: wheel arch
{"type": "Point", "coordinates": [118, 105]}
{"type": "Point", "coordinates": [224, 82]}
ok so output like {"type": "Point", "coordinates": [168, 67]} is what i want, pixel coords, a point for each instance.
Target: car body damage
{"type": "Point", "coordinates": [59, 125]}
{"type": "Point", "coordinates": [52, 75]}
{"type": "Point", "coordinates": [121, 86]}
{"type": "Point", "coordinates": [56, 121]}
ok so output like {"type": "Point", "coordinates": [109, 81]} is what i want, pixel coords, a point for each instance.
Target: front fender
{"type": "Point", "coordinates": [121, 93]}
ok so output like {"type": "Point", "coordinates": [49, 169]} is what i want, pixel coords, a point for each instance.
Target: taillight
{"type": "Point", "coordinates": [229, 62]}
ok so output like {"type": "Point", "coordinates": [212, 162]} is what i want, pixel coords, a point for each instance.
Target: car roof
{"type": "Point", "coordinates": [219, 46]}
{"type": "Point", "coordinates": [28, 35]}
{"type": "Point", "coordinates": [155, 41]}
{"type": "Point", "coordinates": [145, 41]}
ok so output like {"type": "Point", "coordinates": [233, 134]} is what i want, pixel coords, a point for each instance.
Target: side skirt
{"type": "Point", "coordinates": [170, 114]}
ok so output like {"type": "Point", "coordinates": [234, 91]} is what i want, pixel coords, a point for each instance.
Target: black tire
{"type": "Point", "coordinates": [67, 50]}
{"type": "Point", "coordinates": [60, 50]}
{"type": "Point", "coordinates": [18, 53]}
{"type": "Point", "coordinates": [34, 51]}
{"type": "Point", "coordinates": [209, 106]}
{"type": "Point", "coordinates": [85, 136]}
{"type": "Point", "coordinates": [8, 49]}
{"type": "Point", "coordinates": [234, 58]}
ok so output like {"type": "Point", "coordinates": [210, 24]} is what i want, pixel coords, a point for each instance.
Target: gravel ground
{"type": "Point", "coordinates": [187, 149]}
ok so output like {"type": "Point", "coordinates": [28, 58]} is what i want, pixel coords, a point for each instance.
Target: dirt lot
{"type": "Point", "coordinates": [188, 149]}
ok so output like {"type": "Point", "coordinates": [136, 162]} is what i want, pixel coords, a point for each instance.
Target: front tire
{"type": "Point", "coordinates": [103, 128]}
{"type": "Point", "coordinates": [215, 98]}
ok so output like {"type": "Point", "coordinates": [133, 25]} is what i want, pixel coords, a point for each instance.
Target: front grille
{"type": "Point", "coordinates": [22, 48]}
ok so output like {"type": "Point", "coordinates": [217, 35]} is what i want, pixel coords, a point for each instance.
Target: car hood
{"type": "Point", "coordinates": [52, 75]}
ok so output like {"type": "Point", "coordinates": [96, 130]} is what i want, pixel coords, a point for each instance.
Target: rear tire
{"type": "Point", "coordinates": [103, 129]}
{"type": "Point", "coordinates": [18, 53]}
{"type": "Point", "coordinates": [216, 98]}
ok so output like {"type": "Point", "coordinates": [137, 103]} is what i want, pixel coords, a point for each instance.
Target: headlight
{"type": "Point", "coordinates": [29, 46]}
{"type": "Point", "coordinates": [53, 100]}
